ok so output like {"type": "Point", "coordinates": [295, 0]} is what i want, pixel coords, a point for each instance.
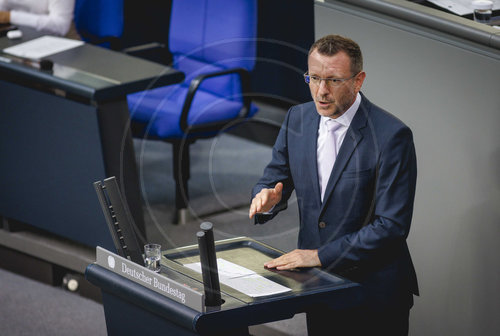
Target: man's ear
{"type": "Point", "coordinates": [360, 78]}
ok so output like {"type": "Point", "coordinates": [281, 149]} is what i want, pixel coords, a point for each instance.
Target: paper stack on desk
{"type": "Point", "coordinates": [42, 47]}
{"type": "Point", "coordinates": [242, 279]}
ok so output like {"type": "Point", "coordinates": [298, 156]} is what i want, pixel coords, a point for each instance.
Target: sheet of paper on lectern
{"type": "Point", "coordinates": [460, 7]}
{"type": "Point", "coordinates": [242, 279]}
{"type": "Point", "coordinates": [42, 47]}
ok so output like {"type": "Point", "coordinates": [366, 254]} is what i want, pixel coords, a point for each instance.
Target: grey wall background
{"type": "Point", "coordinates": [448, 91]}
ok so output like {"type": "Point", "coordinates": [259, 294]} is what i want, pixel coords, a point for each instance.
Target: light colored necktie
{"type": "Point", "coordinates": [327, 153]}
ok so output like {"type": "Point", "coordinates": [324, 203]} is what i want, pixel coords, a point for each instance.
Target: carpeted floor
{"type": "Point", "coordinates": [30, 307]}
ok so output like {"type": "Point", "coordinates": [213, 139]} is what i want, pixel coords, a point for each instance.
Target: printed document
{"type": "Point", "coordinates": [42, 47]}
{"type": "Point", "coordinates": [243, 279]}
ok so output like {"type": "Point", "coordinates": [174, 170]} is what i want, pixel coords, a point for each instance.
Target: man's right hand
{"type": "Point", "coordinates": [265, 200]}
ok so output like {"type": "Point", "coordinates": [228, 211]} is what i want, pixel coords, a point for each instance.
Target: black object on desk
{"type": "Point", "coordinates": [119, 219]}
{"type": "Point", "coordinates": [71, 124]}
{"type": "Point", "coordinates": [208, 260]}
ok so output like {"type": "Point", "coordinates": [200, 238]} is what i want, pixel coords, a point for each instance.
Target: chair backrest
{"type": "Point", "coordinates": [97, 19]}
{"type": "Point", "coordinates": [213, 35]}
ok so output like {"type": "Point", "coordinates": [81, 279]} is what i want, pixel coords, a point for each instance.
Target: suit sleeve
{"type": "Point", "coordinates": [392, 208]}
{"type": "Point", "coordinates": [278, 170]}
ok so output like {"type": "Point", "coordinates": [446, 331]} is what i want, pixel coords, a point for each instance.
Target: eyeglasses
{"type": "Point", "coordinates": [315, 80]}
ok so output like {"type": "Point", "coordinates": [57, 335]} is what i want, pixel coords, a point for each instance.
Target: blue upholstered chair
{"type": "Point", "coordinates": [100, 22]}
{"type": "Point", "coordinates": [213, 43]}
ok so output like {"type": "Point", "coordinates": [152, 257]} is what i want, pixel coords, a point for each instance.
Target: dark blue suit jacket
{"type": "Point", "coordinates": [360, 229]}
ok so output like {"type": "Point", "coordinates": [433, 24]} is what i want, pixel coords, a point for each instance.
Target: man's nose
{"type": "Point", "coordinates": [323, 86]}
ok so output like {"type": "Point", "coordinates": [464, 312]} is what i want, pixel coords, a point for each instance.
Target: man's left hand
{"type": "Point", "coordinates": [294, 259]}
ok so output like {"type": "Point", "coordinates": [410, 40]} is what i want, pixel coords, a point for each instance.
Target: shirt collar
{"type": "Point", "coordinates": [346, 118]}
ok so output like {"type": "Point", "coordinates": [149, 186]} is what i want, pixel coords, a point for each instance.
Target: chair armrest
{"type": "Point", "coordinates": [195, 84]}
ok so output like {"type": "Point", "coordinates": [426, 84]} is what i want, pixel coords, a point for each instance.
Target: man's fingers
{"type": "Point", "coordinates": [296, 258]}
{"type": "Point", "coordinates": [273, 263]}
{"type": "Point", "coordinates": [255, 206]}
{"type": "Point", "coordinates": [283, 265]}
{"type": "Point", "coordinates": [278, 189]}
{"type": "Point", "coordinates": [252, 211]}
{"type": "Point", "coordinates": [265, 200]}
{"type": "Point", "coordinates": [263, 196]}
{"type": "Point", "coordinates": [282, 262]}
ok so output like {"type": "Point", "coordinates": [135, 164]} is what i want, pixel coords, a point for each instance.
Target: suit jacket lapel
{"type": "Point", "coordinates": [353, 137]}
{"type": "Point", "coordinates": [311, 125]}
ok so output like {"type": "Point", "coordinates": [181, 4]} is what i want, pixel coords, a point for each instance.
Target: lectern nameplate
{"type": "Point", "coordinates": [149, 279]}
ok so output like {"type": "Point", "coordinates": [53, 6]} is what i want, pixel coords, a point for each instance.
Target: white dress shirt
{"type": "Point", "coordinates": [50, 16]}
{"type": "Point", "coordinates": [340, 130]}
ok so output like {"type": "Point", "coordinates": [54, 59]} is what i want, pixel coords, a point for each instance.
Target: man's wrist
{"type": "Point", "coordinates": [270, 211]}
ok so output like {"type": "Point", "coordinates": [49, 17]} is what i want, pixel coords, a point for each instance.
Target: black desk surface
{"type": "Point", "coordinates": [89, 71]}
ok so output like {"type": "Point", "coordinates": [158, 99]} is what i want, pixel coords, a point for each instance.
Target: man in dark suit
{"type": "Point", "coordinates": [353, 168]}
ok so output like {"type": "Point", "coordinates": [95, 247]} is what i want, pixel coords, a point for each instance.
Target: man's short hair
{"type": "Point", "coordinates": [330, 45]}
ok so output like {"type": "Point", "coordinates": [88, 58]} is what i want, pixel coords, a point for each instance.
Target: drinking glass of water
{"type": "Point", "coordinates": [152, 257]}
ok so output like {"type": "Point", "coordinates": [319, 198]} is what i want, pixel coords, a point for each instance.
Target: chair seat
{"type": "Point", "coordinates": [159, 109]}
